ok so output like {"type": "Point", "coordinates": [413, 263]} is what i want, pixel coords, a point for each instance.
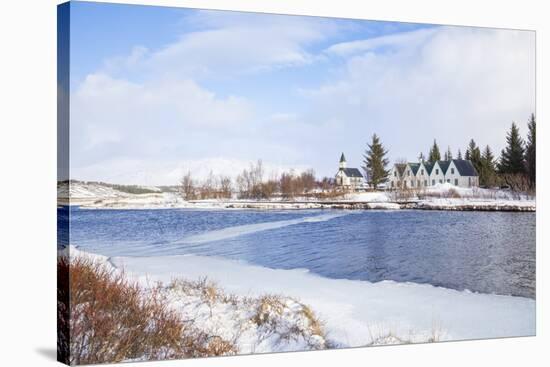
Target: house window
{"type": "Point", "coordinates": [422, 172]}
{"type": "Point", "coordinates": [456, 181]}
{"type": "Point", "coordinates": [453, 171]}
{"type": "Point", "coordinates": [412, 183]}
{"type": "Point", "coordinates": [395, 173]}
{"type": "Point", "coordinates": [408, 173]}
{"type": "Point", "coordinates": [436, 171]}
{"type": "Point", "coordinates": [433, 182]}
{"type": "Point", "coordinates": [440, 181]}
{"type": "Point", "coordinates": [448, 180]}
{"type": "Point", "coordinates": [392, 184]}
{"type": "Point", "coordinates": [425, 182]}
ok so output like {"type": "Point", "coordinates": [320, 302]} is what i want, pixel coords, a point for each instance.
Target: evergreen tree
{"type": "Point", "coordinates": [434, 154]}
{"type": "Point", "coordinates": [512, 157]}
{"type": "Point", "coordinates": [531, 151]}
{"type": "Point", "coordinates": [459, 155]}
{"type": "Point", "coordinates": [474, 154]}
{"type": "Point", "coordinates": [487, 176]}
{"type": "Point", "coordinates": [448, 154]}
{"type": "Point", "coordinates": [421, 157]}
{"type": "Point", "coordinates": [375, 162]}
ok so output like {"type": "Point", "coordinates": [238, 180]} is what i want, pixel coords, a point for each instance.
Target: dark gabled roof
{"type": "Point", "coordinates": [465, 167]}
{"type": "Point", "coordinates": [400, 168]}
{"type": "Point", "coordinates": [342, 158]}
{"type": "Point", "coordinates": [352, 172]}
{"type": "Point", "coordinates": [414, 167]}
{"type": "Point", "coordinates": [429, 167]}
{"type": "Point", "coordinates": [444, 166]}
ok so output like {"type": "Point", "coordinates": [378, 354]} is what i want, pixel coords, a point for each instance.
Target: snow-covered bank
{"type": "Point", "coordinates": [239, 324]}
{"type": "Point", "coordinates": [355, 313]}
{"type": "Point", "coordinates": [438, 197]}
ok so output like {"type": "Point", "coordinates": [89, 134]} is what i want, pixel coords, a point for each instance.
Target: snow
{"type": "Point", "coordinates": [241, 230]}
{"type": "Point", "coordinates": [441, 196]}
{"type": "Point", "coordinates": [356, 313]}
{"type": "Point", "coordinates": [371, 197]}
{"type": "Point", "coordinates": [255, 324]}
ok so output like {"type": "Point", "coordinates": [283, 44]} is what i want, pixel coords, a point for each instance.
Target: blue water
{"type": "Point", "coordinates": [488, 252]}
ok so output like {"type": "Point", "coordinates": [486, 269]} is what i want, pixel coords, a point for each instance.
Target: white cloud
{"type": "Point", "coordinates": [229, 45]}
{"type": "Point", "coordinates": [449, 83]}
{"type": "Point", "coordinates": [399, 40]}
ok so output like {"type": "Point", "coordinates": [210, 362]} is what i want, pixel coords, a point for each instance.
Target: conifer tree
{"type": "Point", "coordinates": [474, 154]}
{"type": "Point", "coordinates": [459, 155]}
{"type": "Point", "coordinates": [487, 176]}
{"type": "Point", "coordinates": [375, 162]}
{"type": "Point", "coordinates": [421, 157]}
{"type": "Point", "coordinates": [434, 154]}
{"type": "Point", "coordinates": [531, 151]}
{"type": "Point", "coordinates": [448, 154]}
{"type": "Point", "coordinates": [512, 157]}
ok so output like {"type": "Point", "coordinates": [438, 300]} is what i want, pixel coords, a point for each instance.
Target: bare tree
{"type": "Point", "coordinates": [187, 187]}
{"type": "Point", "coordinates": [308, 180]}
{"type": "Point", "coordinates": [287, 185]}
{"type": "Point", "coordinates": [225, 187]}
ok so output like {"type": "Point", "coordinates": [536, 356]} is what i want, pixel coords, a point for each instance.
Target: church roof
{"type": "Point", "coordinates": [342, 158]}
{"type": "Point", "coordinates": [352, 172]}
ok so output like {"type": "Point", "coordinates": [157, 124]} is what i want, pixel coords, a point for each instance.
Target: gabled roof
{"type": "Point", "coordinates": [400, 168]}
{"type": "Point", "coordinates": [342, 158]}
{"type": "Point", "coordinates": [414, 167]}
{"type": "Point", "coordinates": [429, 167]}
{"type": "Point", "coordinates": [465, 167]}
{"type": "Point", "coordinates": [444, 166]}
{"type": "Point", "coordinates": [352, 172]}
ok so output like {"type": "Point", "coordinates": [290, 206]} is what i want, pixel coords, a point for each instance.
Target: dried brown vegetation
{"type": "Point", "coordinates": [105, 318]}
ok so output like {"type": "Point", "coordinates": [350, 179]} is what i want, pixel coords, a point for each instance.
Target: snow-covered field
{"type": "Point", "coordinates": [355, 313]}
{"type": "Point", "coordinates": [441, 197]}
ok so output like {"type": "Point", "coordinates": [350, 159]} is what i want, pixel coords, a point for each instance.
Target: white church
{"type": "Point", "coordinates": [348, 178]}
{"type": "Point", "coordinates": [458, 172]}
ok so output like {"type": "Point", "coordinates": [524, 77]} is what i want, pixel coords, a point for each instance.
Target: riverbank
{"type": "Point", "coordinates": [353, 313]}
{"type": "Point", "coordinates": [439, 197]}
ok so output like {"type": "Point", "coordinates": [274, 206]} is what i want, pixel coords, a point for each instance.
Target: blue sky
{"type": "Point", "coordinates": [157, 91]}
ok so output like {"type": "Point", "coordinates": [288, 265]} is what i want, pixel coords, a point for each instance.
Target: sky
{"type": "Point", "coordinates": [157, 91]}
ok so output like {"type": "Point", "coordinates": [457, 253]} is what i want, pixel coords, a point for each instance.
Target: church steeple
{"type": "Point", "coordinates": [343, 162]}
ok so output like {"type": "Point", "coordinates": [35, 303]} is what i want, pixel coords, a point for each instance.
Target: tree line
{"type": "Point", "coordinates": [516, 166]}
{"type": "Point", "coordinates": [251, 183]}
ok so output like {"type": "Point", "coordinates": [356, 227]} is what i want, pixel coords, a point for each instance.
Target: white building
{"type": "Point", "coordinates": [348, 178]}
{"type": "Point", "coordinates": [458, 172]}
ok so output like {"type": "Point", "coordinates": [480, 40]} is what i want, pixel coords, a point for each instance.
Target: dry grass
{"type": "Point", "coordinates": [388, 336]}
{"type": "Point", "coordinates": [105, 318]}
{"type": "Point", "coordinates": [269, 314]}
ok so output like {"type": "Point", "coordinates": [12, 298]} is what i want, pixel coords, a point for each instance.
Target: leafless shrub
{"type": "Point", "coordinates": [519, 184]}
{"type": "Point", "coordinates": [105, 318]}
{"type": "Point", "coordinates": [453, 193]}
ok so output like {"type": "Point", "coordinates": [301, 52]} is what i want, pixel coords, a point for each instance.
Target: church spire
{"type": "Point", "coordinates": [343, 161]}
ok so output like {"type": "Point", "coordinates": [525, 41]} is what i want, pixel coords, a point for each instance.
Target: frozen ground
{"type": "Point", "coordinates": [355, 313]}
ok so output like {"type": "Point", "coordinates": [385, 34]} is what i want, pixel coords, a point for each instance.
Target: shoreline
{"type": "Point", "coordinates": [351, 309]}
{"type": "Point", "coordinates": [437, 204]}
